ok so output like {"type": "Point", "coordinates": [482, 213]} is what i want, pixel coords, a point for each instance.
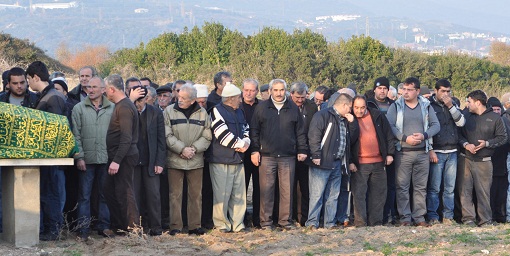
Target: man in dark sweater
{"type": "Point", "coordinates": [484, 131]}
{"type": "Point", "coordinates": [250, 101]}
{"type": "Point", "coordinates": [121, 144]}
{"type": "Point", "coordinates": [52, 179]}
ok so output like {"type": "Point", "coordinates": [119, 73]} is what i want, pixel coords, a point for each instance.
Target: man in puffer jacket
{"type": "Point", "coordinates": [188, 135]}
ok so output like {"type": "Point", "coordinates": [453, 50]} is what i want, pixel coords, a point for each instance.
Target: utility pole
{"type": "Point", "coordinates": [367, 28]}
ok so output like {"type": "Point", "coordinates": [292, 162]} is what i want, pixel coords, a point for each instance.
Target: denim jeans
{"type": "Point", "coordinates": [97, 173]}
{"type": "Point", "coordinates": [444, 170]}
{"type": "Point", "coordinates": [52, 181]}
{"type": "Point", "coordinates": [324, 185]}
{"type": "Point", "coordinates": [343, 210]}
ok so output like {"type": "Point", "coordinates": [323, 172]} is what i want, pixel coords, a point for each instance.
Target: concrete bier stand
{"type": "Point", "coordinates": [21, 198]}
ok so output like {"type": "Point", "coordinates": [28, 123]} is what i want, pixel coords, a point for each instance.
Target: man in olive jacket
{"type": "Point", "coordinates": [188, 135]}
{"type": "Point", "coordinates": [91, 118]}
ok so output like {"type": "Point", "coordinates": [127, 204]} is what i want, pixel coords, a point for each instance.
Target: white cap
{"type": "Point", "coordinates": [201, 90]}
{"type": "Point", "coordinates": [230, 90]}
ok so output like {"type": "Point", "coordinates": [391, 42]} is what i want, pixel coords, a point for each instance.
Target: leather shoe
{"type": "Point", "coordinates": [155, 232]}
{"type": "Point", "coordinates": [405, 223]}
{"type": "Point", "coordinates": [174, 232]}
{"type": "Point", "coordinates": [106, 233]}
{"type": "Point", "coordinates": [197, 231]}
{"type": "Point", "coordinates": [422, 224]}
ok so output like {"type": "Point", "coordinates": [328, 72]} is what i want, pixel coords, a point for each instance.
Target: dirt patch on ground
{"type": "Point", "coordinates": [436, 240]}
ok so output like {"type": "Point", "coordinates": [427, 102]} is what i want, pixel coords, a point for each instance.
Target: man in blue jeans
{"type": "Point", "coordinates": [443, 159]}
{"type": "Point", "coordinates": [330, 148]}
{"type": "Point", "coordinates": [91, 118]}
{"type": "Point", "coordinates": [52, 179]}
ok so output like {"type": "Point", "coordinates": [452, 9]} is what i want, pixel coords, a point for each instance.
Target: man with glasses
{"type": "Point", "coordinates": [164, 96]}
{"type": "Point", "coordinates": [413, 122]}
{"type": "Point", "coordinates": [176, 87]}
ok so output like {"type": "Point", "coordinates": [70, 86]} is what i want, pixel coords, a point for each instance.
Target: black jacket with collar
{"type": "Point", "coordinates": [385, 137]}
{"type": "Point", "coordinates": [327, 153]}
{"type": "Point", "coordinates": [29, 101]}
{"type": "Point", "coordinates": [278, 133]}
{"type": "Point", "coordinates": [156, 139]}
{"type": "Point", "coordinates": [448, 137]}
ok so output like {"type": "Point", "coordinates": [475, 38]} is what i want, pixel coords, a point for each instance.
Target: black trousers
{"type": "Point", "coordinates": [301, 193]}
{"type": "Point", "coordinates": [252, 171]}
{"type": "Point", "coordinates": [148, 197]}
{"type": "Point", "coordinates": [207, 198]}
{"type": "Point", "coordinates": [119, 193]}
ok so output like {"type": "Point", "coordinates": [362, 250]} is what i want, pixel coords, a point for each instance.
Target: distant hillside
{"type": "Point", "coordinates": [17, 52]}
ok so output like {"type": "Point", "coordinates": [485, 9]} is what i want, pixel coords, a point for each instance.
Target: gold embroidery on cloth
{"type": "Point", "coordinates": [28, 133]}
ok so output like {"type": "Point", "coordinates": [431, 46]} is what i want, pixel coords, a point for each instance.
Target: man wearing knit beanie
{"type": "Point", "coordinates": [380, 100]}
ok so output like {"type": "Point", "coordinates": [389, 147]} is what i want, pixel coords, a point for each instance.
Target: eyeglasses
{"type": "Point", "coordinates": [88, 87]}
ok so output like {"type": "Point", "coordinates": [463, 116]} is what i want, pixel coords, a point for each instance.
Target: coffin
{"type": "Point", "coordinates": [28, 133]}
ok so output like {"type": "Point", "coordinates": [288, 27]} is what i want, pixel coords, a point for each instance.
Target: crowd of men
{"type": "Point", "coordinates": [179, 158]}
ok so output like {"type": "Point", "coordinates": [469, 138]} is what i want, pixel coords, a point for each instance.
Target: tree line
{"type": "Point", "coordinates": [303, 55]}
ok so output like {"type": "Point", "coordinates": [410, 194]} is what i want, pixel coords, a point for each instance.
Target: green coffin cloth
{"type": "Point", "coordinates": [28, 133]}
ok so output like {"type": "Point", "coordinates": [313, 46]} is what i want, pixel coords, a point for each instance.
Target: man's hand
{"type": "Point", "coordinates": [418, 136]}
{"type": "Point", "coordinates": [136, 94]}
{"type": "Point", "coordinates": [433, 156]}
{"type": "Point", "coordinates": [447, 100]}
{"type": "Point", "coordinates": [255, 158]}
{"type": "Point", "coordinates": [188, 152]}
{"type": "Point", "coordinates": [349, 117]}
{"type": "Point", "coordinates": [352, 167]}
{"type": "Point", "coordinates": [301, 157]}
{"type": "Point", "coordinates": [80, 164]}
{"type": "Point", "coordinates": [470, 148]}
{"type": "Point", "coordinates": [113, 169]}
{"type": "Point", "coordinates": [316, 161]}
{"type": "Point", "coordinates": [244, 148]}
{"type": "Point", "coordinates": [158, 169]}
{"type": "Point", "coordinates": [481, 145]}
{"type": "Point", "coordinates": [389, 160]}
{"type": "Point", "coordinates": [412, 141]}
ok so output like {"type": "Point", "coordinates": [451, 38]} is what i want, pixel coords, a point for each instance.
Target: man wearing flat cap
{"type": "Point", "coordinates": [164, 96]}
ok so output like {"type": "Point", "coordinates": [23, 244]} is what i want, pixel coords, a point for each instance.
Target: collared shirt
{"type": "Point", "coordinates": [342, 136]}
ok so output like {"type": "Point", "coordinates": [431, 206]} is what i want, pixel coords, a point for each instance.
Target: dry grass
{"type": "Point", "coordinates": [436, 240]}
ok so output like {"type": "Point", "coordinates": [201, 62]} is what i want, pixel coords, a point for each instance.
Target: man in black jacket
{"type": "Point", "coordinates": [152, 158]}
{"type": "Point", "coordinates": [278, 136]}
{"type": "Point", "coordinates": [307, 108]}
{"type": "Point", "coordinates": [483, 132]}
{"type": "Point", "coordinates": [250, 102]}
{"type": "Point", "coordinates": [79, 92]}
{"type": "Point", "coordinates": [374, 151]}
{"type": "Point", "coordinates": [330, 149]}
{"type": "Point", "coordinates": [18, 94]}
{"type": "Point", "coordinates": [443, 159]}
{"type": "Point", "coordinates": [52, 179]}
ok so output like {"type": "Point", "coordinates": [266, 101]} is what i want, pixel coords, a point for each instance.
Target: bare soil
{"type": "Point", "coordinates": [437, 240]}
